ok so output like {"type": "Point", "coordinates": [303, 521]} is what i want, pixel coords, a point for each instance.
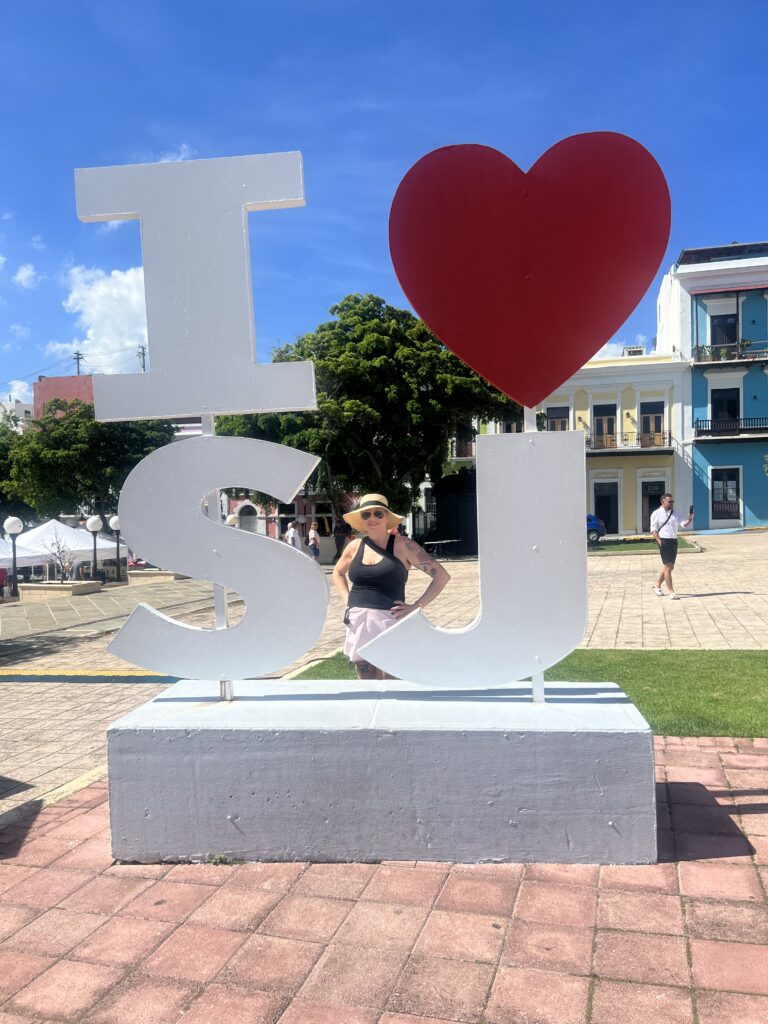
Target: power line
{"type": "Point", "coordinates": [53, 366]}
{"type": "Point", "coordinates": [35, 373]}
{"type": "Point", "coordinates": [101, 366]}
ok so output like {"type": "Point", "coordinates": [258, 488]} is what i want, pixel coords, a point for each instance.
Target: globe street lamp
{"type": "Point", "coordinates": [93, 524]}
{"type": "Point", "coordinates": [13, 527]}
{"type": "Point", "coordinates": [114, 525]}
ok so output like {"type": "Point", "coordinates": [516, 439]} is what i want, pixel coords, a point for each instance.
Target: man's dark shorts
{"type": "Point", "coordinates": [668, 550]}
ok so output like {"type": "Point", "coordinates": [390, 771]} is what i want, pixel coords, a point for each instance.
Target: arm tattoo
{"type": "Point", "coordinates": [424, 559]}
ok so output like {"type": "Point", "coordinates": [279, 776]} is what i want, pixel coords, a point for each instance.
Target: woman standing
{"type": "Point", "coordinates": [377, 565]}
{"type": "Point", "coordinates": [313, 538]}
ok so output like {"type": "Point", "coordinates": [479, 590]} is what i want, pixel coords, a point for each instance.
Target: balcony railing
{"type": "Point", "coordinates": [737, 350]}
{"type": "Point", "coordinates": [731, 427]}
{"type": "Point", "coordinates": [605, 442]}
{"type": "Point", "coordinates": [726, 510]}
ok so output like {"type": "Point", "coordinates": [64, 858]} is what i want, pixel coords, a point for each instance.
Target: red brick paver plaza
{"type": "Point", "coordinates": [84, 939]}
{"type": "Point", "coordinates": [684, 941]}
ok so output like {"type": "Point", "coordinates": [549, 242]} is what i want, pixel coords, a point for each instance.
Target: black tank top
{"type": "Point", "coordinates": [380, 585]}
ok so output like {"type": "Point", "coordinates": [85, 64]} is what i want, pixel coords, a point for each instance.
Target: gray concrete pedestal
{"type": "Point", "coordinates": [359, 771]}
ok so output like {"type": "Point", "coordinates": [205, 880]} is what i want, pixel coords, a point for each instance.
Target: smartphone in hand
{"type": "Point", "coordinates": [690, 511]}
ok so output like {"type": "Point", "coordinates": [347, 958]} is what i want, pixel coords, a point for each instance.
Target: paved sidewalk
{"type": "Point", "coordinates": [683, 941]}
{"type": "Point", "coordinates": [85, 939]}
{"type": "Point", "coordinates": [723, 590]}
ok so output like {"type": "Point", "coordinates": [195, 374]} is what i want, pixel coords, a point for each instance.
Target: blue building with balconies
{"type": "Point", "coordinates": [713, 311]}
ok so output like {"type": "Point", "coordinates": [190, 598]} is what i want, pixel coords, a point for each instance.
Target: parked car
{"type": "Point", "coordinates": [595, 529]}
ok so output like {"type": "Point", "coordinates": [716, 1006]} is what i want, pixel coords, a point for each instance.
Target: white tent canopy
{"type": "Point", "coordinates": [37, 546]}
{"type": "Point", "coordinates": [22, 557]}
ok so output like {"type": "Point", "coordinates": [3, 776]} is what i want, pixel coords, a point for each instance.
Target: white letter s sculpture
{"type": "Point", "coordinates": [285, 593]}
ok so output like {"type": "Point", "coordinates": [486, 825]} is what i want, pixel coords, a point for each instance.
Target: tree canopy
{"type": "Point", "coordinates": [390, 397]}
{"type": "Point", "coordinates": [67, 460]}
{"type": "Point", "coordinates": [9, 505]}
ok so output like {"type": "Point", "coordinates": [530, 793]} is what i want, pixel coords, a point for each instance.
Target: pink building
{"type": "Point", "coordinates": [69, 388]}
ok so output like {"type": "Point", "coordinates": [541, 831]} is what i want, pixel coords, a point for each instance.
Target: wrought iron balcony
{"type": "Point", "coordinates": [732, 427]}
{"type": "Point", "coordinates": [618, 442]}
{"type": "Point", "coordinates": [738, 350]}
{"type": "Point", "coordinates": [726, 510]}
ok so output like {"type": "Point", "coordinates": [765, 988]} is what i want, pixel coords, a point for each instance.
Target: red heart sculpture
{"type": "Point", "coordinates": [526, 276]}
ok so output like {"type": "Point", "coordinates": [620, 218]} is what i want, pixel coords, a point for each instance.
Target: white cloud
{"type": "Point", "coordinates": [610, 350]}
{"type": "Point", "coordinates": [175, 156]}
{"type": "Point", "coordinates": [6, 215]}
{"type": "Point", "coordinates": [26, 276]}
{"type": "Point", "coordinates": [111, 312]}
{"type": "Point", "coordinates": [3, 261]}
{"type": "Point", "coordinates": [38, 243]}
{"type": "Point", "coordinates": [615, 349]}
{"type": "Point", "coordinates": [108, 226]}
{"type": "Point", "coordinates": [19, 389]}
{"type": "Point", "coordinates": [19, 331]}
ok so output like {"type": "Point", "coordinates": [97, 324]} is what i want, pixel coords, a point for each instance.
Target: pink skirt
{"type": "Point", "coordinates": [364, 624]}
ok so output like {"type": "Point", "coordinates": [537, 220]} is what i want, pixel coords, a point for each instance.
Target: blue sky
{"type": "Point", "coordinates": [363, 90]}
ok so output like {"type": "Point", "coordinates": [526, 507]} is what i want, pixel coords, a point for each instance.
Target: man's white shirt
{"type": "Point", "coordinates": [666, 525]}
{"type": "Point", "coordinates": [293, 538]}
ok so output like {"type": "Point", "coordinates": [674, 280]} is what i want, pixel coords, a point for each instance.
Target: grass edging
{"type": "Point", "coordinates": [641, 546]}
{"type": "Point", "coordinates": [680, 693]}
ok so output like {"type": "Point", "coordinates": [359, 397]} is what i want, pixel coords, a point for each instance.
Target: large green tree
{"type": "Point", "coordinates": [9, 505]}
{"type": "Point", "coordinates": [390, 396]}
{"type": "Point", "coordinates": [67, 460]}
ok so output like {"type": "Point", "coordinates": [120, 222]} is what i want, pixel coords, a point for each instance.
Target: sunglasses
{"type": "Point", "coordinates": [376, 512]}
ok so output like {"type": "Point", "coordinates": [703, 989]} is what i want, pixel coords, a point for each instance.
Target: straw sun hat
{"type": "Point", "coordinates": [371, 502]}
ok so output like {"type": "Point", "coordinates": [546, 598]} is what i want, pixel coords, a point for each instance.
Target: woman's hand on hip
{"type": "Point", "coordinates": [400, 609]}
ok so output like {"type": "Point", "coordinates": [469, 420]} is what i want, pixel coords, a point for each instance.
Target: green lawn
{"type": "Point", "coordinates": [681, 693]}
{"type": "Point", "coordinates": [633, 547]}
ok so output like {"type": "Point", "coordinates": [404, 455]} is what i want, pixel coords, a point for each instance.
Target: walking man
{"type": "Point", "coordinates": [665, 523]}
{"type": "Point", "coordinates": [293, 537]}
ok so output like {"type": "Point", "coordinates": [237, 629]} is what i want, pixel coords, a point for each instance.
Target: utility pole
{"type": "Point", "coordinates": [142, 354]}
{"type": "Point", "coordinates": [78, 357]}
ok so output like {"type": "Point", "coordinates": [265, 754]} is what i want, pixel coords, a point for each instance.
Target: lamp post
{"type": "Point", "coordinates": [114, 525]}
{"type": "Point", "coordinates": [93, 524]}
{"type": "Point", "coordinates": [13, 527]}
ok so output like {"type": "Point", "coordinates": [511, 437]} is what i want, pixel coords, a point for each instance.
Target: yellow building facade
{"type": "Point", "coordinates": [633, 413]}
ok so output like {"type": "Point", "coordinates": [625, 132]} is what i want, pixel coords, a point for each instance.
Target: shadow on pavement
{"type": "Point", "coordinates": [9, 785]}
{"type": "Point", "coordinates": [30, 648]}
{"type": "Point", "coordinates": [15, 825]}
{"type": "Point", "coordinates": [703, 828]}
